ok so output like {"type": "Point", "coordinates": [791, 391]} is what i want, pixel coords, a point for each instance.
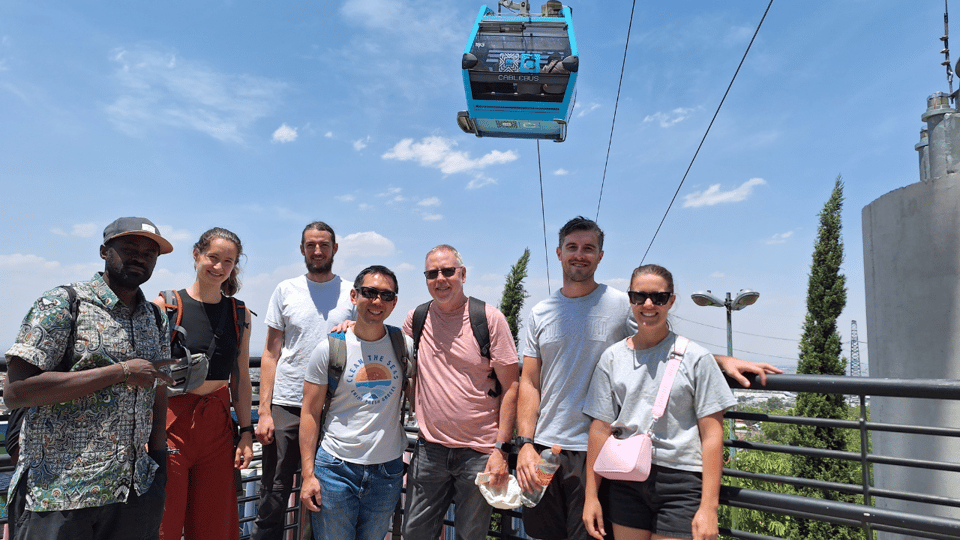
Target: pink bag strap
{"type": "Point", "coordinates": [673, 366]}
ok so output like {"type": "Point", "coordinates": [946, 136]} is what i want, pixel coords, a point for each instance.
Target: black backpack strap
{"type": "Point", "coordinates": [481, 332]}
{"type": "Point", "coordinates": [478, 321]}
{"type": "Point", "coordinates": [419, 319]}
{"type": "Point", "coordinates": [74, 305]}
{"type": "Point", "coordinates": [407, 363]}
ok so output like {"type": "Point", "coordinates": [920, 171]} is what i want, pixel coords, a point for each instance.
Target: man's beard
{"type": "Point", "coordinates": [118, 275]}
{"type": "Point", "coordinates": [321, 269]}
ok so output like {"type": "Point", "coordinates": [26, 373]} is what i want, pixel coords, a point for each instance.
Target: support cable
{"type": "Point", "coordinates": [616, 104]}
{"type": "Point", "coordinates": [717, 112]}
{"type": "Point", "coordinates": [543, 219]}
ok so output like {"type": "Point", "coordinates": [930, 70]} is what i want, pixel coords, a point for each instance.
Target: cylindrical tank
{"type": "Point", "coordinates": [911, 258]}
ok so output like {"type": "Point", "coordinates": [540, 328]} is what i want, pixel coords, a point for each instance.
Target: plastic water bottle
{"type": "Point", "coordinates": [549, 463]}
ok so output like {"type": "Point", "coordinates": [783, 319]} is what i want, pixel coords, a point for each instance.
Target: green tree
{"type": "Point", "coordinates": [514, 294]}
{"type": "Point", "coordinates": [820, 354]}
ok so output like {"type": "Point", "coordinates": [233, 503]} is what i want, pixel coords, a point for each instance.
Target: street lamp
{"type": "Point", "coordinates": [744, 298]}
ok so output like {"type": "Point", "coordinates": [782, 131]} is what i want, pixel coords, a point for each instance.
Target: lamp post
{"type": "Point", "coordinates": [744, 298]}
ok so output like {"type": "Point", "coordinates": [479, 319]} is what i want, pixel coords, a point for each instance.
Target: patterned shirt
{"type": "Point", "coordinates": [91, 451]}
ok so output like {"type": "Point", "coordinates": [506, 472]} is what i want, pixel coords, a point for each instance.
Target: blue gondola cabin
{"type": "Point", "coordinates": [520, 73]}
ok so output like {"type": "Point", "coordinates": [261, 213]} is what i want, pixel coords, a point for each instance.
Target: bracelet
{"type": "Point", "coordinates": [126, 371]}
{"type": "Point", "coordinates": [245, 429]}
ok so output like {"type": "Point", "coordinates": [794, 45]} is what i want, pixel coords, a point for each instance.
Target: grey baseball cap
{"type": "Point", "coordinates": [139, 226]}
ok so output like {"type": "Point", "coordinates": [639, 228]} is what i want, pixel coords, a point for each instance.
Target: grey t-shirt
{"type": "Point", "coordinates": [363, 421]}
{"type": "Point", "coordinates": [625, 386]}
{"type": "Point", "coordinates": [568, 335]}
{"type": "Point", "coordinates": [304, 311]}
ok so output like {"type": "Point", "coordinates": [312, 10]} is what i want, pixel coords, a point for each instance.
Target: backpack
{"type": "Point", "coordinates": [15, 421]}
{"type": "Point", "coordinates": [481, 332]}
{"type": "Point", "coordinates": [171, 305]}
{"type": "Point", "coordinates": [338, 360]}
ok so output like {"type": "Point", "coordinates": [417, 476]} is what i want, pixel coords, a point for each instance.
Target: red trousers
{"type": "Point", "coordinates": [201, 500]}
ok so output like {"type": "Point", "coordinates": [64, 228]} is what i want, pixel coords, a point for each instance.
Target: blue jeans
{"type": "Point", "coordinates": [356, 501]}
{"type": "Point", "coordinates": [438, 476]}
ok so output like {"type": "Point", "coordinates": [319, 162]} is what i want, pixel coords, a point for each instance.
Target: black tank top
{"type": "Point", "coordinates": [200, 321]}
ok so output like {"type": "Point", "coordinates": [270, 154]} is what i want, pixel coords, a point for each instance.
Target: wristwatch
{"type": "Point", "coordinates": [522, 441]}
{"type": "Point", "coordinates": [505, 447]}
{"type": "Point", "coordinates": [245, 429]}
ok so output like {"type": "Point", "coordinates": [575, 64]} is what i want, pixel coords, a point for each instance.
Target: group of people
{"type": "Point", "coordinates": [106, 453]}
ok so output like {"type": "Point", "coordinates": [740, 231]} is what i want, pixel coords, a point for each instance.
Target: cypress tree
{"type": "Point", "coordinates": [820, 353]}
{"type": "Point", "coordinates": [514, 294]}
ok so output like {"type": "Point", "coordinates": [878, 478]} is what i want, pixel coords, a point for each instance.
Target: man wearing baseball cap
{"type": "Point", "coordinates": [89, 363]}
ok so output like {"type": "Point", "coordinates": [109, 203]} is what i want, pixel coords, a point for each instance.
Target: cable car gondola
{"type": "Point", "coordinates": [520, 73]}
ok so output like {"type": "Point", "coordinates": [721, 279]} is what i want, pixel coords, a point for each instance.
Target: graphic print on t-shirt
{"type": "Point", "coordinates": [374, 379]}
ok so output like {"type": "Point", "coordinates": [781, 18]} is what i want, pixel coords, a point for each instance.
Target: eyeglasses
{"type": "Point", "coordinates": [658, 298]}
{"type": "Point", "coordinates": [370, 293]}
{"type": "Point", "coordinates": [447, 272]}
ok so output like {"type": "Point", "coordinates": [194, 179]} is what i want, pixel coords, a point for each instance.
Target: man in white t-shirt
{"type": "Point", "coordinates": [465, 427]}
{"type": "Point", "coordinates": [301, 313]}
{"type": "Point", "coordinates": [352, 482]}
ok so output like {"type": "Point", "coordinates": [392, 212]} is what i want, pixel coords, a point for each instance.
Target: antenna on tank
{"type": "Point", "coordinates": [946, 51]}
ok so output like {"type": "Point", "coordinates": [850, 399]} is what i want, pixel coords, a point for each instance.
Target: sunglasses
{"type": "Point", "coordinates": [658, 298]}
{"type": "Point", "coordinates": [447, 272]}
{"type": "Point", "coordinates": [370, 293]}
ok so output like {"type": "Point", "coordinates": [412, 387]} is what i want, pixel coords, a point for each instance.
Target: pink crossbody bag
{"type": "Point", "coordinates": [630, 458]}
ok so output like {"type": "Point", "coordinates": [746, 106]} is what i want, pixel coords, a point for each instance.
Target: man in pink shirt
{"type": "Point", "coordinates": [465, 428]}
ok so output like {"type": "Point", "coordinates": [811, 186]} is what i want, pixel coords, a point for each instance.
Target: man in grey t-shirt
{"type": "Point", "coordinates": [565, 336]}
{"type": "Point", "coordinates": [301, 313]}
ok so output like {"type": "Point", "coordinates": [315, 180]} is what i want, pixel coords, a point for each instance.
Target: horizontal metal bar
{"type": "Point", "coordinates": [845, 424]}
{"type": "Point", "coordinates": [838, 454]}
{"type": "Point", "coordinates": [831, 510]}
{"type": "Point", "coordinates": [867, 386]}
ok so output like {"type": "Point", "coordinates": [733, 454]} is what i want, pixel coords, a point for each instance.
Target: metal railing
{"type": "Point", "coordinates": [865, 516]}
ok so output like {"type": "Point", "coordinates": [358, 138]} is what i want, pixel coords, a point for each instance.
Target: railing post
{"type": "Point", "coordinates": [864, 464]}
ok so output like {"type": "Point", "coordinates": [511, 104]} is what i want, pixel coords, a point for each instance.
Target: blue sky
{"type": "Point", "coordinates": [260, 117]}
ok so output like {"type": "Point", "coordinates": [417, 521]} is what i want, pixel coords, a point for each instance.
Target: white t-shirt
{"type": "Point", "coordinates": [568, 335]}
{"type": "Point", "coordinates": [363, 420]}
{"type": "Point", "coordinates": [304, 311]}
{"type": "Point", "coordinates": [625, 386]}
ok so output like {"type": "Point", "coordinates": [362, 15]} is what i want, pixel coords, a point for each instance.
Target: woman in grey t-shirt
{"type": "Point", "coordinates": [680, 497]}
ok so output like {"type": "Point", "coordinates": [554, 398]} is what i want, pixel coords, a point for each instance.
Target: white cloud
{"type": "Point", "coordinates": [176, 235]}
{"type": "Point", "coordinates": [345, 198]}
{"type": "Point", "coordinates": [404, 267]}
{"type": "Point", "coordinates": [561, 172]}
{"type": "Point", "coordinates": [432, 217]}
{"type": "Point", "coordinates": [365, 244]}
{"type": "Point", "coordinates": [160, 89]}
{"type": "Point", "coordinates": [586, 109]}
{"type": "Point", "coordinates": [360, 144]}
{"type": "Point", "coordinates": [82, 230]}
{"type": "Point", "coordinates": [713, 195]}
{"type": "Point", "coordinates": [668, 119]}
{"type": "Point", "coordinates": [479, 181]}
{"type": "Point", "coordinates": [432, 201]}
{"type": "Point", "coordinates": [364, 206]}
{"type": "Point", "coordinates": [718, 275]}
{"type": "Point", "coordinates": [328, 134]}
{"type": "Point", "coordinates": [779, 238]}
{"type": "Point", "coordinates": [439, 153]}
{"type": "Point", "coordinates": [285, 134]}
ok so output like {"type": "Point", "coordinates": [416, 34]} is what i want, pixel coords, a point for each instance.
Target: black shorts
{"type": "Point", "coordinates": [665, 503]}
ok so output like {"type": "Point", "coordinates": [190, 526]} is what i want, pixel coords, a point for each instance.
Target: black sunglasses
{"type": "Point", "coordinates": [447, 272]}
{"type": "Point", "coordinates": [658, 298]}
{"type": "Point", "coordinates": [371, 293]}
